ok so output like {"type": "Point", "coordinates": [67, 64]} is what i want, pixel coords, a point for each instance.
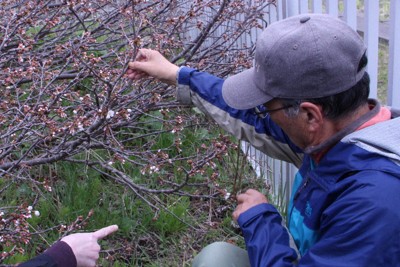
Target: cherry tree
{"type": "Point", "coordinates": [64, 95]}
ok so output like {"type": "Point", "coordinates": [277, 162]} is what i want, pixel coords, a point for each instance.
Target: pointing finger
{"type": "Point", "coordinates": [103, 232]}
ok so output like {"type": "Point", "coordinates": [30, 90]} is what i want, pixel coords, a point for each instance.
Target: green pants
{"type": "Point", "coordinates": [221, 254]}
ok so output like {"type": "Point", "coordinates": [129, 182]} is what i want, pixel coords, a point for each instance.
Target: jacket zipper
{"type": "Point", "coordinates": [304, 185]}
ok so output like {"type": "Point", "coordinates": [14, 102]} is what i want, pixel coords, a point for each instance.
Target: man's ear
{"type": "Point", "coordinates": [312, 114]}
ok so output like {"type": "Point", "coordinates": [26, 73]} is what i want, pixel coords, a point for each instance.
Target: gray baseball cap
{"type": "Point", "coordinates": [304, 56]}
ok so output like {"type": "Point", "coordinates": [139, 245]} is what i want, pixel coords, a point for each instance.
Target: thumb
{"type": "Point", "coordinates": [103, 232]}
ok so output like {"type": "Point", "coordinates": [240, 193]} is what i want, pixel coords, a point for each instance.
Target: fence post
{"type": "Point", "coordinates": [317, 6]}
{"type": "Point", "coordinates": [280, 9]}
{"type": "Point", "coordinates": [371, 38]}
{"type": "Point", "coordinates": [292, 7]}
{"type": "Point", "coordinates": [350, 8]}
{"type": "Point", "coordinates": [394, 56]}
{"type": "Point", "coordinates": [304, 7]}
{"type": "Point", "coordinates": [333, 8]}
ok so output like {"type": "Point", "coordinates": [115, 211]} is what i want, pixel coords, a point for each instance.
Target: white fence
{"type": "Point", "coordinates": [362, 16]}
{"type": "Point", "coordinates": [279, 174]}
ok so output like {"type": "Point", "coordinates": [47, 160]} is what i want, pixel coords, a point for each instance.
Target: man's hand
{"type": "Point", "coordinates": [85, 246]}
{"type": "Point", "coordinates": [248, 200]}
{"type": "Point", "coordinates": [152, 63]}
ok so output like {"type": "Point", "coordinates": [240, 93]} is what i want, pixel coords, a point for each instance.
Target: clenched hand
{"type": "Point", "coordinates": [151, 63]}
{"type": "Point", "coordinates": [248, 200]}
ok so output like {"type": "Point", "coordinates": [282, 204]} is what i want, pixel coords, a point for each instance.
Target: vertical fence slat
{"type": "Point", "coordinates": [283, 5]}
{"type": "Point", "coordinates": [273, 13]}
{"type": "Point", "coordinates": [350, 13]}
{"type": "Point", "coordinates": [304, 6]}
{"type": "Point", "coordinates": [280, 4]}
{"type": "Point", "coordinates": [292, 170]}
{"type": "Point", "coordinates": [276, 181]}
{"type": "Point", "coordinates": [371, 38]}
{"type": "Point", "coordinates": [394, 55]}
{"type": "Point", "coordinates": [293, 7]}
{"type": "Point", "coordinates": [317, 6]}
{"type": "Point", "coordinates": [333, 7]}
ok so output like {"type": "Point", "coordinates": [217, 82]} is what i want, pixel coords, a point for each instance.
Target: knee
{"type": "Point", "coordinates": [209, 254]}
{"type": "Point", "coordinates": [220, 254]}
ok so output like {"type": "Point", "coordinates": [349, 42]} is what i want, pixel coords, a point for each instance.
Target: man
{"type": "Point", "coordinates": [305, 101]}
{"type": "Point", "coordinates": [81, 250]}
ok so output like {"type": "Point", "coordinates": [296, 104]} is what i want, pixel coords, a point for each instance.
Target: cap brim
{"type": "Point", "coordinates": [240, 92]}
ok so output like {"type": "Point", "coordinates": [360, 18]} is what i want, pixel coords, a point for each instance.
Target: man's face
{"type": "Point", "coordinates": [293, 126]}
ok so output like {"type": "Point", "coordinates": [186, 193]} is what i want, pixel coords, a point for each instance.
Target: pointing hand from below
{"type": "Point", "coordinates": [85, 246]}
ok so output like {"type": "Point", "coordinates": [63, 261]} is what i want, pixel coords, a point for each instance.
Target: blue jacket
{"type": "Point", "coordinates": [344, 210]}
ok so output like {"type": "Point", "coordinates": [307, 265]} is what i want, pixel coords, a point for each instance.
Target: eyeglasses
{"type": "Point", "coordinates": [262, 111]}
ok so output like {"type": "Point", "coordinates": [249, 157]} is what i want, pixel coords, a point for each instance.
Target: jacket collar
{"type": "Point", "coordinates": [319, 150]}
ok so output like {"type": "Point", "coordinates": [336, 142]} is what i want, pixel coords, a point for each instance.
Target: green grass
{"type": "Point", "coordinates": [170, 236]}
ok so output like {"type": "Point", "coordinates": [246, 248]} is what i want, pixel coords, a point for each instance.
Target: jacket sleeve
{"type": "Point", "coordinates": [58, 255]}
{"type": "Point", "coordinates": [268, 242]}
{"type": "Point", "coordinates": [360, 228]}
{"type": "Point", "coordinates": [205, 92]}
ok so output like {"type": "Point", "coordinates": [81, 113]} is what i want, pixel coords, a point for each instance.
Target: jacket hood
{"type": "Point", "coordinates": [376, 147]}
{"type": "Point", "coordinates": [382, 138]}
